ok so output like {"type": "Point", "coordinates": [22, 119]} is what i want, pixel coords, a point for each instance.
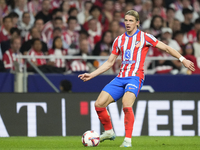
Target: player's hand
{"type": "Point", "coordinates": [188, 64]}
{"type": "Point", "coordinates": [85, 76]}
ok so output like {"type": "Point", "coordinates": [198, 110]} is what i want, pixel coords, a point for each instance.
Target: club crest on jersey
{"type": "Point", "coordinates": [137, 43]}
{"type": "Point", "coordinates": [127, 54]}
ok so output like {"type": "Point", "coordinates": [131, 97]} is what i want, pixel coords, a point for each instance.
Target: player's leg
{"type": "Point", "coordinates": [131, 91]}
{"type": "Point", "coordinates": [111, 92]}
{"type": "Point", "coordinates": [104, 99]}
{"type": "Point", "coordinates": [101, 103]}
{"type": "Point", "coordinates": [128, 101]}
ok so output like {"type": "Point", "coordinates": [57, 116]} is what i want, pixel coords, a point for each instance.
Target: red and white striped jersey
{"type": "Point", "coordinates": [29, 37]}
{"type": "Point", "coordinates": [74, 36]}
{"type": "Point", "coordinates": [60, 63]}
{"type": "Point", "coordinates": [34, 6]}
{"type": "Point", "coordinates": [67, 41]}
{"type": "Point", "coordinates": [47, 28]}
{"type": "Point", "coordinates": [9, 59]}
{"type": "Point", "coordinates": [192, 36]}
{"type": "Point", "coordinates": [39, 61]}
{"type": "Point", "coordinates": [79, 65]}
{"type": "Point", "coordinates": [133, 50]}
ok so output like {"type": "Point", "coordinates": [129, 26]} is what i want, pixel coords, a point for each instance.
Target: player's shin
{"type": "Point", "coordinates": [104, 118]}
{"type": "Point", "coordinates": [128, 122]}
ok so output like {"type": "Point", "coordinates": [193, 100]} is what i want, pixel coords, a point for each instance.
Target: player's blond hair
{"type": "Point", "coordinates": [134, 14]}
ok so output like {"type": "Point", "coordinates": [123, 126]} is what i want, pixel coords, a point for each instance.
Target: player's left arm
{"type": "Point", "coordinates": [187, 63]}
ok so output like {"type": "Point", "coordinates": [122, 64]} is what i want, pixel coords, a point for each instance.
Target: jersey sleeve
{"type": "Point", "coordinates": [6, 61]}
{"type": "Point", "coordinates": [115, 48]}
{"type": "Point", "coordinates": [150, 40]}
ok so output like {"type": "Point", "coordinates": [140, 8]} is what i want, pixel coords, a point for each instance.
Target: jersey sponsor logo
{"type": "Point", "coordinates": [128, 62]}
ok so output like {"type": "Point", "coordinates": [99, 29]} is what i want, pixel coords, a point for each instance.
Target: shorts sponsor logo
{"type": "Point", "coordinates": [131, 88]}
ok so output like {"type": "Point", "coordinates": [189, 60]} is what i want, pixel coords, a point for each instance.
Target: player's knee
{"type": "Point", "coordinates": [126, 104]}
{"type": "Point", "coordinates": [98, 104]}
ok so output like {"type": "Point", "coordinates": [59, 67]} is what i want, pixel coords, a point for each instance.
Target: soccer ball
{"type": "Point", "coordinates": [90, 138]}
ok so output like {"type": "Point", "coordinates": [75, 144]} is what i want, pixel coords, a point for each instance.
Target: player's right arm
{"type": "Point", "coordinates": [107, 65]}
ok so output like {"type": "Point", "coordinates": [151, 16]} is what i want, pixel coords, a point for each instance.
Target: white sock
{"type": "Point", "coordinates": [127, 139]}
{"type": "Point", "coordinates": [109, 131]}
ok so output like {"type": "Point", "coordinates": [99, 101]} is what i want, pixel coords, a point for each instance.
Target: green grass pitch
{"type": "Point", "coordinates": [74, 143]}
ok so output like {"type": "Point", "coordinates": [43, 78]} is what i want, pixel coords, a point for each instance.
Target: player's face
{"type": "Point", "coordinates": [130, 23]}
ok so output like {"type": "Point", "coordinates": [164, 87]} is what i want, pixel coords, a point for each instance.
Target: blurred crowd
{"type": "Point", "coordinates": [88, 28]}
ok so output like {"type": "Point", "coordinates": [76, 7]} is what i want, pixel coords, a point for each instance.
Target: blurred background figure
{"type": "Point", "coordinates": [82, 65]}
{"type": "Point", "coordinates": [5, 30]}
{"type": "Point", "coordinates": [164, 66]}
{"type": "Point", "coordinates": [120, 5]}
{"type": "Point", "coordinates": [64, 7]}
{"type": "Point", "coordinates": [44, 13]}
{"type": "Point", "coordinates": [160, 5]}
{"type": "Point", "coordinates": [34, 6]}
{"type": "Point", "coordinates": [3, 10]}
{"type": "Point", "coordinates": [187, 24]}
{"type": "Point", "coordinates": [27, 45]}
{"type": "Point", "coordinates": [36, 50]}
{"type": "Point", "coordinates": [167, 34]}
{"type": "Point", "coordinates": [84, 14]}
{"type": "Point", "coordinates": [11, 63]}
{"type": "Point", "coordinates": [25, 25]}
{"type": "Point", "coordinates": [188, 53]}
{"type": "Point", "coordinates": [114, 27]}
{"type": "Point", "coordinates": [185, 4]}
{"type": "Point", "coordinates": [65, 86]}
{"type": "Point", "coordinates": [14, 18]}
{"type": "Point", "coordinates": [196, 46]}
{"type": "Point", "coordinates": [57, 50]}
{"type": "Point", "coordinates": [21, 6]}
{"type": "Point", "coordinates": [146, 11]}
{"type": "Point", "coordinates": [192, 34]}
{"type": "Point", "coordinates": [5, 45]}
{"type": "Point", "coordinates": [104, 45]}
{"type": "Point", "coordinates": [156, 25]}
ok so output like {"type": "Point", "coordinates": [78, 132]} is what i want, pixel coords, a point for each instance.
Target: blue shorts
{"type": "Point", "coordinates": [118, 86]}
